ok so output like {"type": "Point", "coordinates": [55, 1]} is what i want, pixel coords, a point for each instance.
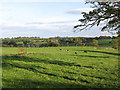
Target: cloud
{"type": "Point", "coordinates": [53, 22]}
{"type": "Point", "coordinates": [57, 22]}
{"type": "Point", "coordinates": [79, 10]}
{"type": "Point", "coordinates": [53, 27]}
{"type": "Point", "coordinates": [36, 27]}
{"type": "Point", "coordinates": [42, 0]}
{"type": "Point", "coordinates": [105, 32]}
{"type": "Point", "coordinates": [4, 8]}
{"type": "Point", "coordinates": [46, 30]}
{"type": "Point", "coordinates": [42, 30]}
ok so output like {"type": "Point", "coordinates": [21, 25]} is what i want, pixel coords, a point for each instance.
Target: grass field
{"type": "Point", "coordinates": [55, 68]}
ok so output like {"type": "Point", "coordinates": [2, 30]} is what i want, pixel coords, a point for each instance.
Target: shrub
{"type": "Point", "coordinates": [95, 42]}
{"type": "Point", "coordinates": [115, 43]}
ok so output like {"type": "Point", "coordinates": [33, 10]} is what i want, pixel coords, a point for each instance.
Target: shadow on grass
{"type": "Point", "coordinates": [27, 59]}
{"type": "Point", "coordinates": [27, 83]}
{"type": "Point", "coordinates": [39, 84]}
{"type": "Point", "coordinates": [46, 61]}
{"type": "Point", "coordinates": [100, 52]}
{"type": "Point", "coordinates": [46, 73]}
{"type": "Point", "coordinates": [33, 68]}
{"type": "Point", "coordinates": [37, 71]}
{"type": "Point", "coordinates": [92, 56]}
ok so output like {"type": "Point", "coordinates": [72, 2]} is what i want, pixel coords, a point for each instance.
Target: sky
{"type": "Point", "coordinates": [48, 18]}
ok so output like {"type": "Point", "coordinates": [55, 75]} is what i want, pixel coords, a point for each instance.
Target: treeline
{"type": "Point", "coordinates": [53, 42]}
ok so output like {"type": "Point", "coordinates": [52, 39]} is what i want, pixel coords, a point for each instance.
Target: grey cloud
{"type": "Point", "coordinates": [58, 22]}
{"type": "Point", "coordinates": [35, 23]}
{"type": "Point", "coordinates": [74, 12]}
{"type": "Point", "coordinates": [79, 10]}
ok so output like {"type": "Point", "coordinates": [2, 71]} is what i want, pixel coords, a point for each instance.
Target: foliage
{"type": "Point", "coordinates": [95, 42]}
{"type": "Point", "coordinates": [76, 41]}
{"type": "Point", "coordinates": [23, 45]}
{"type": "Point", "coordinates": [53, 42]}
{"type": "Point", "coordinates": [68, 43]}
{"type": "Point", "coordinates": [37, 44]}
{"type": "Point", "coordinates": [83, 44]}
{"type": "Point", "coordinates": [28, 45]}
{"type": "Point", "coordinates": [25, 42]}
{"type": "Point", "coordinates": [32, 45]}
{"type": "Point", "coordinates": [56, 43]}
{"type": "Point", "coordinates": [80, 41]}
{"type": "Point", "coordinates": [115, 43]}
{"type": "Point", "coordinates": [12, 43]}
{"type": "Point", "coordinates": [104, 12]}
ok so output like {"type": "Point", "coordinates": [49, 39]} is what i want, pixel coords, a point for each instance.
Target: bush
{"type": "Point", "coordinates": [115, 43]}
{"type": "Point", "coordinates": [95, 42]}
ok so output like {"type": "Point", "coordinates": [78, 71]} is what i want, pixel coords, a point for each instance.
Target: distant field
{"type": "Point", "coordinates": [105, 42]}
{"type": "Point", "coordinates": [51, 67]}
{"type": "Point", "coordinates": [102, 43]}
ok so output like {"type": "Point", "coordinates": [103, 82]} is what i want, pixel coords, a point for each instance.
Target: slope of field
{"type": "Point", "coordinates": [55, 68]}
{"type": "Point", "coordinates": [102, 43]}
{"type": "Point", "coordinates": [105, 42]}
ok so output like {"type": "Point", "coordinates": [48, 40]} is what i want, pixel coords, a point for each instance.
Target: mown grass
{"type": "Point", "coordinates": [55, 68]}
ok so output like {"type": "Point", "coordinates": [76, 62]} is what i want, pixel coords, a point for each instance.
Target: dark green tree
{"type": "Point", "coordinates": [26, 42]}
{"type": "Point", "coordinates": [107, 12]}
{"type": "Point", "coordinates": [81, 42]}
{"type": "Point", "coordinates": [53, 43]}
{"type": "Point", "coordinates": [76, 41]}
{"type": "Point", "coordinates": [12, 43]}
{"type": "Point", "coordinates": [56, 44]}
{"type": "Point", "coordinates": [115, 43]}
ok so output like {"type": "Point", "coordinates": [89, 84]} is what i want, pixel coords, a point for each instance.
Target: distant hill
{"type": "Point", "coordinates": [103, 41]}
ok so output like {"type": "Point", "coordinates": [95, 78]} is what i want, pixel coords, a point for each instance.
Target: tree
{"type": "Point", "coordinates": [115, 43]}
{"type": "Point", "coordinates": [81, 42]}
{"type": "Point", "coordinates": [76, 41]}
{"type": "Point", "coordinates": [67, 43]}
{"type": "Point", "coordinates": [56, 43]}
{"type": "Point", "coordinates": [23, 45]}
{"type": "Point", "coordinates": [29, 45]}
{"type": "Point", "coordinates": [25, 42]}
{"type": "Point", "coordinates": [107, 12]}
{"type": "Point", "coordinates": [53, 42]}
{"type": "Point", "coordinates": [95, 42]}
{"type": "Point", "coordinates": [37, 44]}
{"type": "Point", "coordinates": [12, 43]}
{"type": "Point", "coordinates": [32, 45]}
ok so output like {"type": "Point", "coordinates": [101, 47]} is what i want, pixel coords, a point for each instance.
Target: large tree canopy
{"type": "Point", "coordinates": [103, 12]}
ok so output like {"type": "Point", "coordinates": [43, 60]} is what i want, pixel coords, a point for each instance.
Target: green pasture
{"type": "Point", "coordinates": [50, 67]}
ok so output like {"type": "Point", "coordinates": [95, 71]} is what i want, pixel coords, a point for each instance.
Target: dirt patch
{"type": "Point", "coordinates": [17, 54]}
